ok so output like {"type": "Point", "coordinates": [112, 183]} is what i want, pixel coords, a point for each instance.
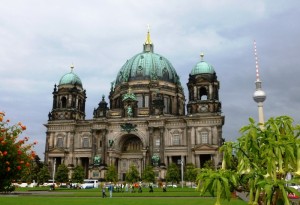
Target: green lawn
{"type": "Point", "coordinates": [173, 196]}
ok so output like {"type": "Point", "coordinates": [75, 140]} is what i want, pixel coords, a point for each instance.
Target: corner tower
{"type": "Point", "coordinates": [203, 89]}
{"type": "Point", "coordinates": [68, 98]}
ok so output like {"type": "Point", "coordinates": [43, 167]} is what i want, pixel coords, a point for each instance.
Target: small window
{"type": "Point", "coordinates": [157, 142]}
{"type": "Point", "coordinates": [165, 74]}
{"type": "Point", "coordinates": [60, 142]}
{"type": "Point", "coordinates": [139, 71]}
{"type": "Point", "coordinates": [146, 101]}
{"type": "Point", "coordinates": [85, 142]}
{"type": "Point", "coordinates": [140, 100]}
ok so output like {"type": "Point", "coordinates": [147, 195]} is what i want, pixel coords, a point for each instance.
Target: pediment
{"type": "Point", "coordinates": [204, 147]}
{"type": "Point", "coordinates": [56, 150]}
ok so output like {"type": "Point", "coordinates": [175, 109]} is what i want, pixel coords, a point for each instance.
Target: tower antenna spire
{"type": "Point", "coordinates": [259, 95]}
{"type": "Point", "coordinates": [256, 61]}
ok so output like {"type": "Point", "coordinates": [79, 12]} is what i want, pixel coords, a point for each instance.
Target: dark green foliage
{"type": "Point", "coordinates": [62, 174]}
{"type": "Point", "coordinates": [43, 175]}
{"type": "Point", "coordinates": [111, 174]}
{"type": "Point", "coordinates": [190, 173]}
{"type": "Point", "coordinates": [173, 174]}
{"type": "Point", "coordinates": [132, 174]}
{"type": "Point", "coordinates": [149, 175]}
{"type": "Point", "coordinates": [78, 174]}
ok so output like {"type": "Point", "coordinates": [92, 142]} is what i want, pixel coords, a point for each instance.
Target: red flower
{"type": "Point", "coordinates": [4, 153]}
{"type": "Point", "coordinates": [19, 152]}
{"type": "Point", "coordinates": [19, 167]}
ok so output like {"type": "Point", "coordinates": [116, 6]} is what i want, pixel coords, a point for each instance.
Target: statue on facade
{"type": "Point", "coordinates": [155, 160]}
{"type": "Point", "coordinates": [110, 142]}
{"type": "Point", "coordinates": [49, 116]}
{"type": "Point", "coordinates": [129, 111]}
{"type": "Point", "coordinates": [97, 160]}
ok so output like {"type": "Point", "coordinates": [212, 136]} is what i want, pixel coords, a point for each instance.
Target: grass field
{"type": "Point", "coordinates": [173, 196]}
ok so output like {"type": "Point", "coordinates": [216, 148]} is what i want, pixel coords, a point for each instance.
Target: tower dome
{"type": "Point", "coordinates": [70, 78]}
{"type": "Point", "coordinates": [202, 67]}
{"type": "Point", "coordinates": [147, 65]}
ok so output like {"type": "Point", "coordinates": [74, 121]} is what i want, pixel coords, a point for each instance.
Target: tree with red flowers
{"type": "Point", "coordinates": [15, 154]}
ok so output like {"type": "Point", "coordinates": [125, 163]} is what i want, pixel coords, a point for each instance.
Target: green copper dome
{"type": "Point", "coordinates": [202, 67]}
{"type": "Point", "coordinates": [70, 78]}
{"type": "Point", "coordinates": [147, 66]}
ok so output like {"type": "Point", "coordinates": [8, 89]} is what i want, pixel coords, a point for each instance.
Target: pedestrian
{"type": "Point", "coordinates": [103, 192]}
{"type": "Point", "coordinates": [151, 188]}
{"type": "Point", "coordinates": [140, 189]}
{"type": "Point", "coordinates": [110, 188]}
{"type": "Point", "coordinates": [164, 188]}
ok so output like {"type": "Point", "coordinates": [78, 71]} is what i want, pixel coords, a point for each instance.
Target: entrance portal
{"type": "Point", "coordinates": [204, 158]}
{"type": "Point", "coordinates": [131, 154]}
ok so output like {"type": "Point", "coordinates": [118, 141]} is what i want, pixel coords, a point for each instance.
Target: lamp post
{"type": "Point", "coordinates": [53, 174]}
{"type": "Point", "coordinates": [181, 162]}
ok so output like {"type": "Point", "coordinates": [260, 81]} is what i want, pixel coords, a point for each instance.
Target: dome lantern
{"type": "Point", "coordinates": [148, 46]}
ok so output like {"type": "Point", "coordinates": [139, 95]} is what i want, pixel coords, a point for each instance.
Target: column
{"type": "Point", "coordinates": [162, 145]}
{"type": "Point", "coordinates": [104, 145]}
{"type": "Point", "coordinates": [189, 144]}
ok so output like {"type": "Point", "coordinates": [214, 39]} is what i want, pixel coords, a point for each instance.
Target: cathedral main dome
{"type": "Point", "coordinates": [152, 82]}
{"type": "Point", "coordinates": [147, 65]}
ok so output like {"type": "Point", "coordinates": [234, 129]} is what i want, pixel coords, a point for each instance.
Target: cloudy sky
{"type": "Point", "coordinates": [39, 40]}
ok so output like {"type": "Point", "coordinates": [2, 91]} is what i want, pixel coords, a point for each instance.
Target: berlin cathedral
{"type": "Point", "coordinates": [146, 122]}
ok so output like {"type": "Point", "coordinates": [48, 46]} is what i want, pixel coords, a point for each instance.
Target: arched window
{"type": "Point", "coordinates": [167, 104]}
{"type": "Point", "coordinates": [203, 93]}
{"type": "Point", "coordinates": [132, 144]}
{"type": "Point", "coordinates": [60, 142]}
{"type": "Point", "coordinates": [176, 139]}
{"type": "Point", "coordinates": [85, 142]}
{"type": "Point", "coordinates": [63, 102]}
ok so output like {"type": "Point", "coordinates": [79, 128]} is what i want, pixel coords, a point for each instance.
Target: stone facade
{"type": "Point", "coordinates": [144, 124]}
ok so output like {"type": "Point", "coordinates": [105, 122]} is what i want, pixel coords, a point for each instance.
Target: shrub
{"type": "Point", "coordinates": [15, 155]}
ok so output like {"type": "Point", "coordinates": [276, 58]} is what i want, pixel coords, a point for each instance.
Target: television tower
{"type": "Point", "coordinates": [259, 95]}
